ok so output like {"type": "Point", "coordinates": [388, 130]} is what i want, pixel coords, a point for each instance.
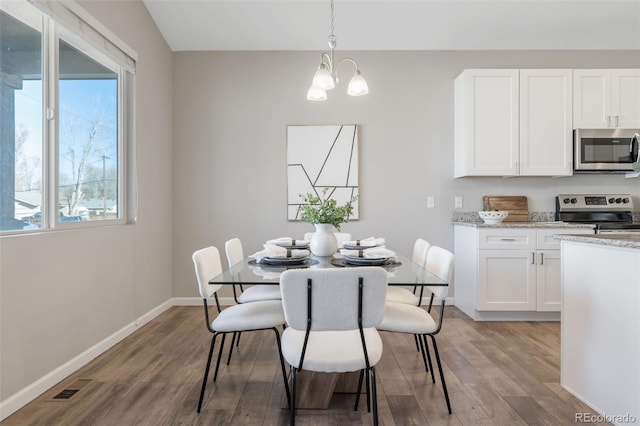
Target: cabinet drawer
{"type": "Point", "coordinates": [547, 242]}
{"type": "Point", "coordinates": [512, 238]}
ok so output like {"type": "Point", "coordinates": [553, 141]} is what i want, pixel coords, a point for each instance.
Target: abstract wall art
{"type": "Point", "coordinates": [319, 158]}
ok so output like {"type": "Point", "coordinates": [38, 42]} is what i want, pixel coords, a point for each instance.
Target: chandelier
{"type": "Point", "coordinates": [326, 75]}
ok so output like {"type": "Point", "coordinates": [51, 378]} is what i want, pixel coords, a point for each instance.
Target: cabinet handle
{"type": "Point", "coordinates": [617, 120]}
{"type": "Point", "coordinates": [533, 258]}
{"type": "Point", "coordinates": [608, 121]}
{"type": "Point", "coordinates": [542, 258]}
{"type": "Point", "coordinates": [507, 239]}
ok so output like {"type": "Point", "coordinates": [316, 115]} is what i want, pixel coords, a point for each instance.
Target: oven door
{"type": "Point", "coordinates": [606, 150]}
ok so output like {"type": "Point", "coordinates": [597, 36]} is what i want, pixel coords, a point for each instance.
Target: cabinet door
{"type": "Point", "coordinates": [487, 123]}
{"type": "Point", "coordinates": [546, 132]}
{"type": "Point", "coordinates": [548, 281]}
{"type": "Point", "coordinates": [507, 280]}
{"type": "Point", "coordinates": [591, 99]}
{"type": "Point", "coordinates": [625, 98]}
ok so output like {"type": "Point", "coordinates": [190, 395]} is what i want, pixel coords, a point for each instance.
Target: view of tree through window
{"type": "Point", "coordinates": [88, 137]}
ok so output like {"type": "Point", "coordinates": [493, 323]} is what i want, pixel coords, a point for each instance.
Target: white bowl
{"type": "Point", "coordinates": [493, 216]}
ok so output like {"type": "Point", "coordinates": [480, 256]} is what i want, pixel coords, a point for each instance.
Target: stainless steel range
{"type": "Point", "coordinates": [611, 213]}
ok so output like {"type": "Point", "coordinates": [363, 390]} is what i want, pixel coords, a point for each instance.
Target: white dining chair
{"type": "Point", "coordinates": [402, 295]}
{"type": "Point", "coordinates": [404, 318]}
{"type": "Point", "coordinates": [262, 315]}
{"type": "Point", "coordinates": [235, 254]}
{"type": "Point", "coordinates": [331, 317]}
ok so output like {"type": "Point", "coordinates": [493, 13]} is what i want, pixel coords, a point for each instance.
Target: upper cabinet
{"type": "Point", "coordinates": [606, 98]}
{"type": "Point", "coordinates": [511, 122]}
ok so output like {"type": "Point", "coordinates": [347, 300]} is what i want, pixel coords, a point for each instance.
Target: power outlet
{"type": "Point", "coordinates": [431, 202]}
{"type": "Point", "coordinates": [458, 202]}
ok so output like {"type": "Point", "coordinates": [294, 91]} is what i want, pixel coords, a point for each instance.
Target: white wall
{"type": "Point", "coordinates": [63, 292]}
{"type": "Point", "coordinates": [230, 117]}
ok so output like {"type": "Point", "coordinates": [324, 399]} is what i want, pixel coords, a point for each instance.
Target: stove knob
{"type": "Point", "coordinates": [574, 200]}
{"type": "Point", "coordinates": [611, 200]}
{"type": "Point", "coordinates": [625, 200]}
{"type": "Point", "coordinates": [618, 200]}
{"type": "Point", "coordinates": [566, 201]}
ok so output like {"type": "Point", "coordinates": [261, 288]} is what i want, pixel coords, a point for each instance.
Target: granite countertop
{"type": "Point", "coordinates": [536, 220]}
{"type": "Point", "coordinates": [552, 224]}
{"type": "Point", "coordinates": [616, 240]}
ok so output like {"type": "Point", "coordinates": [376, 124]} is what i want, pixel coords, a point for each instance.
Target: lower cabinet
{"type": "Point", "coordinates": [508, 269]}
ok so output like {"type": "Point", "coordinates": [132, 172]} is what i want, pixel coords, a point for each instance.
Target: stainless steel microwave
{"type": "Point", "coordinates": [605, 150]}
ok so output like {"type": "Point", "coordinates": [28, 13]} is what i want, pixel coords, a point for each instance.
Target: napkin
{"type": "Point", "coordinates": [371, 253]}
{"type": "Point", "coordinates": [277, 252]}
{"type": "Point", "coordinates": [367, 242]}
{"type": "Point", "coordinates": [287, 241]}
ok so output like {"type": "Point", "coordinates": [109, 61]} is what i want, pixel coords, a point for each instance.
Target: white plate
{"type": "Point", "coordinates": [350, 247]}
{"type": "Point", "coordinates": [284, 260]}
{"type": "Point", "coordinates": [365, 261]}
{"type": "Point", "coordinates": [302, 246]}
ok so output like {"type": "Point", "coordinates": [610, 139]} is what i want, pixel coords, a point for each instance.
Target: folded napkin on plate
{"type": "Point", "coordinates": [287, 241]}
{"type": "Point", "coordinates": [371, 253]}
{"type": "Point", "coordinates": [367, 242]}
{"type": "Point", "coordinates": [278, 253]}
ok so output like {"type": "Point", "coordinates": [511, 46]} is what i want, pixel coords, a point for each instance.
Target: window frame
{"type": "Point", "coordinates": [51, 34]}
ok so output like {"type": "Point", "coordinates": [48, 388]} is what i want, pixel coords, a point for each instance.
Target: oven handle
{"type": "Point", "coordinates": [633, 153]}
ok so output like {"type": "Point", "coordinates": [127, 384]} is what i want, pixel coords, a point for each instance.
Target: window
{"type": "Point", "coordinates": [66, 122]}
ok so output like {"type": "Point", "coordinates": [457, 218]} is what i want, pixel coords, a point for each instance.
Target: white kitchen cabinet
{"type": "Point", "coordinates": [504, 272]}
{"type": "Point", "coordinates": [546, 123]}
{"type": "Point", "coordinates": [511, 122]}
{"type": "Point", "coordinates": [606, 98]}
{"type": "Point", "coordinates": [486, 122]}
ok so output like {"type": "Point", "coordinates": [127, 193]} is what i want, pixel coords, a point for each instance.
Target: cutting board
{"type": "Point", "coordinates": [516, 205]}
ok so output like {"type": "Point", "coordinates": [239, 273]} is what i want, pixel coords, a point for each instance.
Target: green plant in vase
{"type": "Point", "coordinates": [325, 210]}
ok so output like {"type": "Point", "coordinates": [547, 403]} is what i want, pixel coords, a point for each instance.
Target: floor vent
{"type": "Point", "coordinates": [70, 390]}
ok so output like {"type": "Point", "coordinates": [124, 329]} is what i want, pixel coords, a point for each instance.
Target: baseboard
{"type": "Point", "coordinates": [37, 388]}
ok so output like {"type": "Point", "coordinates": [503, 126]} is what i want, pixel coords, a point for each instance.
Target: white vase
{"type": "Point", "coordinates": [323, 241]}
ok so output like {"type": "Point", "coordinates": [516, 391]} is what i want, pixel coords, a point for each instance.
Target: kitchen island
{"type": "Point", "coordinates": [600, 344]}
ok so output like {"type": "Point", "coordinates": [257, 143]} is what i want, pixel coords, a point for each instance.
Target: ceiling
{"type": "Point", "coordinates": [398, 24]}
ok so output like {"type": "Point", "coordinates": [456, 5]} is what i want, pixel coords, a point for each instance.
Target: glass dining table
{"type": "Point", "coordinates": [403, 272]}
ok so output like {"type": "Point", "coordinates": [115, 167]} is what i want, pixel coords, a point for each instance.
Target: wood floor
{"type": "Point", "coordinates": [498, 373]}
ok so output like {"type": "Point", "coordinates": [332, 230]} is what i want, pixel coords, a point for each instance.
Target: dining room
{"type": "Point", "coordinates": [119, 304]}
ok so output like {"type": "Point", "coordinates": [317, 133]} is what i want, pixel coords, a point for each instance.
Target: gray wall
{"type": "Point", "coordinates": [63, 292]}
{"type": "Point", "coordinates": [230, 115]}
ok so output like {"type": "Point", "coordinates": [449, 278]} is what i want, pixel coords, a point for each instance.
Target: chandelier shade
{"type": "Point", "coordinates": [357, 85]}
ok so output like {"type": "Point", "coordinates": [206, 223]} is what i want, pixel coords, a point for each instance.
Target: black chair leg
{"type": "Point", "coordinates": [444, 385]}
{"type": "Point", "coordinates": [415, 337]}
{"type": "Point", "coordinates": [374, 396]}
{"type": "Point", "coordinates": [238, 339]}
{"type": "Point", "coordinates": [359, 390]}
{"type": "Point", "coordinates": [368, 393]}
{"type": "Point", "coordinates": [284, 373]}
{"type": "Point", "coordinates": [233, 340]}
{"type": "Point", "coordinates": [206, 372]}
{"type": "Point", "coordinates": [426, 347]}
{"type": "Point", "coordinates": [292, 401]}
{"type": "Point", "coordinates": [215, 374]}
{"type": "Point", "coordinates": [424, 356]}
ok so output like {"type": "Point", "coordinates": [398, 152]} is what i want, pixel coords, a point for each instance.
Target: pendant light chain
{"type": "Point", "coordinates": [332, 27]}
{"type": "Point", "coordinates": [333, 41]}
